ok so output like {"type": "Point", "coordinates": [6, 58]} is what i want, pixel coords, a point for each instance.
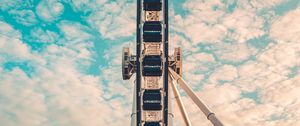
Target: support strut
{"type": "Point", "coordinates": [210, 115]}
{"type": "Point", "coordinates": [180, 104]}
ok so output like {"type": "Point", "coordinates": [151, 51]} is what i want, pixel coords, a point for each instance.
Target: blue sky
{"type": "Point", "coordinates": [60, 61]}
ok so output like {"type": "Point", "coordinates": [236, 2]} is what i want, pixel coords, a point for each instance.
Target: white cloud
{"type": "Point", "coordinates": [112, 20]}
{"type": "Point", "coordinates": [25, 17]}
{"type": "Point", "coordinates": [7, 30]}
{"type": "Point", "coordinates": [8, 4]}
{"type": "Point", "coordinates": [284, 94]}
{"type": "Point", "coordinates": [245, 25]}
{"type": "Point", "coordinates": [224, 73]}
{"type": "Point", "coordinates": [197, 30]}
{"type": "Point", "coordinates": [196, 65]}
{"type": "Point", "coordinates": [198, 60]}
{"type": "Point", "coordinates": [49, 10]}
{"type": "Point", "coordinates": [74, 32]}
{"type": "Point", "coordinates": [27, 105]}
{"type": "Point", "coordinates": [204, 24]}
{"type": "Point", "coordinates": [43, 36]}
{"type": "Point", "coordinates": [265, 73]}
{"type": "Point", "coordinates": [287, 28]}
{"type": "Point", "coordinates": [235, 52]}
{"type": "Point", "coordinates": [58, 93]}
{"type": "Point", "coordinates": [265, 3]}
{"type": "Point", "coordinates": [14, 48]}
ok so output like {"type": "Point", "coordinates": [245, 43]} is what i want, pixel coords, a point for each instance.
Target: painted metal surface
{"type": "Point", "coordinates": [180, 103]}
{"type": "Point", "coordinates": [210, 115]}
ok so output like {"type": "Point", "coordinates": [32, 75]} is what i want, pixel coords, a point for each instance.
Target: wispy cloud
{"type": "Point", "coordinates": [49, 10]}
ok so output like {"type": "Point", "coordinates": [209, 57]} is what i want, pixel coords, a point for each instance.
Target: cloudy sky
{"type": "Point", "coordinates": [60, 61]}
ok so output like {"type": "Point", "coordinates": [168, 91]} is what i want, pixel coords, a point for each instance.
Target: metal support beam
{"type": "Point", "coordinates": [180, 104]}
{"type": "Point", "coordinates": [210, 116]}
{"type": "Point", "coordinates": [138, 63]}
{"type": "Point", "coordinates": [133, 114]}
{"type": "Point", "coordinates": [166, 55]}
{"type": "Point", "coordinates": [170, 110]}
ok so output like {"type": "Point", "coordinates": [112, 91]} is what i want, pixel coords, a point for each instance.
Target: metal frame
{"type": "Point", "coordinates": [138, 64]}
{"type": "Point", "coordinates": [139, 58]}
{"type": "Point", "coordinates": [170, 65]}
{"type": "Point", "coordinates": [166, 55]}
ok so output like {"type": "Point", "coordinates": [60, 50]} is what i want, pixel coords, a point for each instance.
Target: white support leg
{"type": "Point", "coordinates": [180, 104]}
{"type": "Point", "coordinates": [170, 109]}
{"type": "Point", "coordinates": [133, 114]}
{"type": "Point", "coordinates": [210, 116]}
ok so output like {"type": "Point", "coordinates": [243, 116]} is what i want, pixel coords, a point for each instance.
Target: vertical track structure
{"type": "Point", "coordinates": [152, 63]}
{"type": "Point", "coordinates": [155, 69]}
{"type": "Point", "coordinates": [138, 64]}
{"type": "Point", "coordinates": [166, 59]}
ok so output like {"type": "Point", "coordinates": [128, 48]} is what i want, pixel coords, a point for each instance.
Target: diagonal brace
{"type": "Point", "coordinates": [210, 115]}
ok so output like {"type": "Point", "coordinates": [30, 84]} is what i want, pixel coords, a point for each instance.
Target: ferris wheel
{"type": "Point", "coordinates": [156, 71]}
